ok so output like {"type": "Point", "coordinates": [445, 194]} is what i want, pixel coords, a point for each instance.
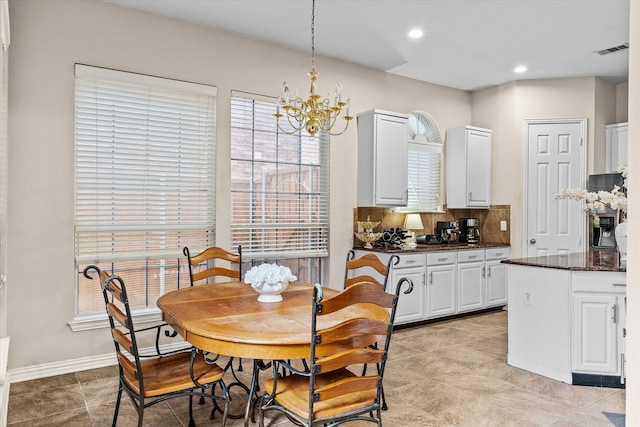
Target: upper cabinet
{"type": "Point", "coordinates": [468, 167]}
{"type": "Point", "coordinates": [616, 146]}
{"type": "Point", "coordinates": [382, 158]}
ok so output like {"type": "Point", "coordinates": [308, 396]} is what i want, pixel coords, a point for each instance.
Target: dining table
{"type": "Point", "coordinates": [227, 319]}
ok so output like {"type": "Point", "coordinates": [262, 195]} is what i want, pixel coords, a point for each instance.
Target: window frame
{"type": "Point", "coordinates": [150, 123]}
{"type": "Point", "coordinates": [263, 108]}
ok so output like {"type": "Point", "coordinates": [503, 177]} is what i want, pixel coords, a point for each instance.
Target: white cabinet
{"type": "Point", "coordinates": [412, 306]}
{"type": "Point", "coordinates": [446, 282]}
{"type": "Point", "coordinates": [471, 280]}
{"type": "Point", "coordinates": [441, 284]}
{"type": "Point", "coordinates": [468, 167]}
{"type": "Point", "coordinates": [598, 323]}
{"type": "Point", "coordinates": [496, 276]}
{"type": "Point", "coordinates": [616, 146]}
{"type": "Point", "coordinates": [382, 158]}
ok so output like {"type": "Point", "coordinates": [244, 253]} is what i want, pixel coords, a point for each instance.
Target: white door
{"type": "Point", "coordinates": [555, 160]}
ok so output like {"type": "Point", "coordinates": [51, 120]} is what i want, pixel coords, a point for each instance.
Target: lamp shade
{"type": "Point", "coordinates": [413, 222]}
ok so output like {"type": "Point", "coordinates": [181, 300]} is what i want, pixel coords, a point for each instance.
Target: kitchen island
{"type": "Point", "coordinates": [566, 317]}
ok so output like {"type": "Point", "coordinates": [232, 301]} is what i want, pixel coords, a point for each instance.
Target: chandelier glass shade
{"type": "Point", "coordinates": [314, 114]}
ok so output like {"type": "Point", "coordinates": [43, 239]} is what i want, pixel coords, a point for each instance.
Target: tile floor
{"type": "Point", "coordinates": [452, 373]}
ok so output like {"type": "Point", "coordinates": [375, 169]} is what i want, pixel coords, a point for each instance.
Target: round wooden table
{"type": "Point", "coordinates": [226, 318]}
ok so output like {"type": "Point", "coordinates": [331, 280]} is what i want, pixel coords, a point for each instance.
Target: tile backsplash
{"type": "Point", "coordinates": [488, 220]}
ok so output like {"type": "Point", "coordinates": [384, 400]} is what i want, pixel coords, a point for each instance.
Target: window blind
{"type": "Point", "coordinates": [144, 171]}
{"type": "Point", "coordinates": [279, 185]}
{"type": "Point", "coordinates": [424, 170]}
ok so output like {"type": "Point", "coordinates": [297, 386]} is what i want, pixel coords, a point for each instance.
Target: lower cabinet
{"type": "Point", "coordinates": [599, 306]}
{"type": "Point", "coordinates": [441, 284]}
{"type": "Point", "coordinates": [471, 280]}
{"type": "Point", "coordinates": [496, 276]}
{"type": "Point", "coordinates": [411, 307]}
{"type": "Point", "coordinates": [448, 282]}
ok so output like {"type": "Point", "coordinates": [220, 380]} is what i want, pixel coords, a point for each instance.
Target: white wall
{"type": "Point", "coordinates": [633, 272]}
{"type": "Point", "coordinates": [504, 108]}
{"type": "Point", "coordinates": [48, 37]}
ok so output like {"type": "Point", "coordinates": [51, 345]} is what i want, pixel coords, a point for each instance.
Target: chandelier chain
{"type": "Point", "coordinates": [313, 35]}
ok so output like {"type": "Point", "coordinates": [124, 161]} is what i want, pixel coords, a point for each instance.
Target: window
{"type": "Point", "coordinates": [424, 164]}
{"type": "Point", "coordinates": [144, 174]}
{"type": "Point", "coordinates": [279, 189]}
{"type": "Point", "coordinates": [424, 170]}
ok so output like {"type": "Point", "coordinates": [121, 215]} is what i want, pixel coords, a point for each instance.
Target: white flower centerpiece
{"type": "Point", "coordinates": [599, 201]}
{"type": "Point", "coordinates": [269, 280]}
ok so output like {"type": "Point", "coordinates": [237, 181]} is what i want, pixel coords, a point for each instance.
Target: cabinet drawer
{"type": "Point", "coordinates": [438, 258]}
{"type": "Point", "coordinates": [599, 281]}
{"type": "Point", "coordinates": [471, 255]}
{"type": "Point", "coordinates": [413, 260]}
{"type": "Point", "coordinates": [497, 253]}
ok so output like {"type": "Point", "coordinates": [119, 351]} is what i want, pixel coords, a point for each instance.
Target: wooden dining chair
{"type": "Point", "coordinates": [361, 269]}
{"type": "Point", "coordinates": [154, 378]}
{"type": "Point", "coordinates": [202, 266]}
{"type": "Point", "coordinates": [330, 393]}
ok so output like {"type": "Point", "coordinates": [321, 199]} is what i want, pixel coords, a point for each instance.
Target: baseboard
{"type": "Point", "coordinates": [73, 365]}
{"type": "Point", "coordinates": [60, 368]}
{"type": "Point", "coordinates": [4, 383]}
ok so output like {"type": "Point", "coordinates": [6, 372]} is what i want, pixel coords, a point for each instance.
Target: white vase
{"type": "Point", "coordinates": [621, 240]}
{"type": "Point", "coordinates": [270, 292]}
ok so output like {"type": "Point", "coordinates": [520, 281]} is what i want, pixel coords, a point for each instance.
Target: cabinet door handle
{"type": "Point", "coordinates": [442, 259]}
{"type": "Point", "coordinates": [410, 261]}
{"type": "Point", "coordinates": [484, 272]}
{"type": "Point", "coordinates": [620, 284]}
{"type": "Point", "coordinates": [615, 313]}
{"type": "Point", "coordinates": [431, 278]}
{"type": "Point", "coordinates": [622, 373]}
{"type": "Point", "coordinates": [469, 199]}
{"type": "Point", "coordinates": [424, 279]}
{"type": "Point", "coordinates": [489, 272]}
{"type": "Point", "coordinates": [473, 256]}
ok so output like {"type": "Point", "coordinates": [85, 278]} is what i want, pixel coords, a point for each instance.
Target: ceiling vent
{"type": "Point", "coordinates": [613, 49]}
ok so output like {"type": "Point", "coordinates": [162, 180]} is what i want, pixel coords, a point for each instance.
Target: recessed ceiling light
{"type": "Point", "coordinates": [520, 69]}
{"type": "Point", "coordinates": [416, 33]}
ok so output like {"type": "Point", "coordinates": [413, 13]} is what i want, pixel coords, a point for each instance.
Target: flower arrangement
{"type": "Point", "coordinates": [614, 199]}
{"type": "Point", "coordinates": [268, 274]}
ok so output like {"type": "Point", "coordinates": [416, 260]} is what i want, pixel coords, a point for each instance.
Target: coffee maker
{"type": "Point", "coordinates": [448, 231]}
{"type": "Point", "coordinates": [469, 232]}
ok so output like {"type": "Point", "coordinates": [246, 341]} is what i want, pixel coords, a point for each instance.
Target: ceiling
{"type": "Point", "coordinates": [467, 44]}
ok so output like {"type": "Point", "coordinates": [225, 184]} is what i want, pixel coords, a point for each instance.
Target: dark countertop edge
{"type": "Point", "coordinates": [530, 262]}
{"type": "Point", "coordinates": [438, 248]}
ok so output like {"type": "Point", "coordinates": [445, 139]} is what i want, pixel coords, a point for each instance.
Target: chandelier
{"type": "Point", "coordinates": [314, 114]}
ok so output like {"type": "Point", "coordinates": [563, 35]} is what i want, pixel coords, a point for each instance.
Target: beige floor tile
{"type": "Point", "coordinates": [45, 402]}
{"type": "Point", "coordinates": [452, 373]}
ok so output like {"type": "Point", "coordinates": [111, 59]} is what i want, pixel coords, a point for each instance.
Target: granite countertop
{"type": "Point", "coordinates": [436, 248]}
{"type": "Point", "coordinates": [597, 260]}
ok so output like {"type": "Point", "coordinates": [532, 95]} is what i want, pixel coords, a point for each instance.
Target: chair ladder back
{"type": "Point", "coordinates": [352, 330]}
{"type": "Point", "coordinates": [366, 292]}
{"type": "Point", "coordinates": [113, 287]}
{"type": "Point", "coordinates": [349, 385]}
{"type": "Point", "coordinates": [215, 271]}
{"type": "Point", "coordinates": [122, 340]}
{"type": "Point", "coordinates": [368, 262]}
{"type": "Point", "coordinates": [350, 357]}
{"type": "Point", "coordinates": [117, 314]}
{"type": "Point", "coordinates": [211, 254]}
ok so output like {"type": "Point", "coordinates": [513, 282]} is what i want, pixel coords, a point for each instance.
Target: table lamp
{"type": "Point", "coordinates": [413, 222]}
